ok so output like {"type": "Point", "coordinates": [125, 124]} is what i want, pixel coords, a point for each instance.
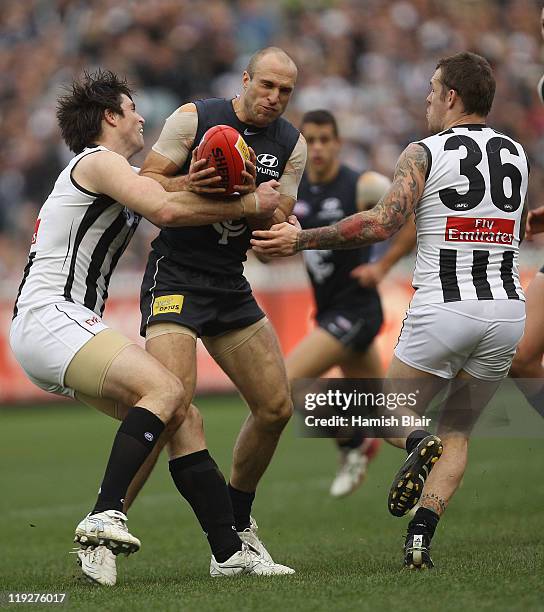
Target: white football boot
{"type": "Point", "coordinates": [350, 475]}
{"type": "Point", "coordinates": [250, 537]}
{"type": "Point", "coordinates": [109, 529]}
{"type": "Point", "coordinates": [247, 561]}
{"type": "Point", "coordinates": [98, 565]}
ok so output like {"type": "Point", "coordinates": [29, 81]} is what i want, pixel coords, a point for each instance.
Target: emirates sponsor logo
{"type": "Point", "coordinates": [92, 321]}
{"type": "Point", "coordinates": [479, 229]}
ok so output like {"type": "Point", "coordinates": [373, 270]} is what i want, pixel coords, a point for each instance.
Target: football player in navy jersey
{"type": "Point", "coordinates": [467, 315]}
{"type": "Point", "coordinates": [348, 313]}
{"type": "Point", "coordinates": [194, 287]}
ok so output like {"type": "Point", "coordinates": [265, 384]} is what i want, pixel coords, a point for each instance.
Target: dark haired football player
{"type": "Point", "coordinates": [57, 333]}
{"type": "Point", "coordinates": [348, 313]}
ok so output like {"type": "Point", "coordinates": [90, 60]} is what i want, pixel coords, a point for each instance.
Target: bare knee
{"type": "Point", "coordinates": [276, 413]}
{"type": "Point", "coordinates": [190, 418]}
{"type": "Point", "coordinates": [174, 397]}
{"type": "Point", "coordinates": [175, 421]}
{"type": "Point", "coordinates": [166, 398]}
{"type": "Point", "coordinates": [193, 420]}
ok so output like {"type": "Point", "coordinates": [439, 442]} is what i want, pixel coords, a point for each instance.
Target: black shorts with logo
{"type": "Point", "coordinates": [355, 325]}
{"type": "Point", "coordinates": [207, 303]}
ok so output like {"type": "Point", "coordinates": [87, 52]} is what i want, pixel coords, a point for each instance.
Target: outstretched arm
{"type": "Point", "coordinates": [362, 228]}
{"type": "Point", "coordinates": [109, 173]}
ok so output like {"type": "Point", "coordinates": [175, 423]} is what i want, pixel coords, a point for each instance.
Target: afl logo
{"type": "Point", "coordinates": [265, 159]}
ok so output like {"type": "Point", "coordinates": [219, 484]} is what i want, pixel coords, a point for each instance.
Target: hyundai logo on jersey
{"type": "Point", "coordinates": [265, 159]}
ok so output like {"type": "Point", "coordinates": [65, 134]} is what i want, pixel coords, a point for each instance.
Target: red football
{"type": "Point", "coordinates": [226, 151]}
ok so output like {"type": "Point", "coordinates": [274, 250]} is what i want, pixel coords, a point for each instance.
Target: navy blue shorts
{"type": "Point", "coordinates": [355, 326]}
{"type": "Point", "coordinates": [209, 304]}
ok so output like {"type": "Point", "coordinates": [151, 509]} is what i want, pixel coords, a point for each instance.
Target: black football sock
{"type": "Point", "coordinates": [133, 442]}
{"type": "Point", "coordinates": [415, 438]}
{"type": "Point", "coordinates": [241, 504]}
{"type": "Point", "coordinates": [424, 520]}
{"type": "Point", "coordinates": [355, 441]}
{"type": "Point", "coordinates": [201, 483]}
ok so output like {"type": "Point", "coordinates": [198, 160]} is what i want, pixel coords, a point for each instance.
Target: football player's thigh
{"type": "Point", "coordinates": [363, 364]}
{"type": "Point", "coordinates": [467, 398]}
{"type": "Point", "coordinates": [402, 377]}
{"type": "Point", "coordinates": [532, 343]}
{"type": "Point", "coordinates": [315, 354]}
{"type": "Point", "coordinates": [112, 408]}
{"type": "Point", "coordinates": [254, 365]}
{"type": "Point", "coordinates": [112, 366]}
{"type": "Point", "coordinates": [175, 347]}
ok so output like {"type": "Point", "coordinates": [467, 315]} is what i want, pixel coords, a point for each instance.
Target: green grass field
{"type": "Point", "coordinates": [489, 549]}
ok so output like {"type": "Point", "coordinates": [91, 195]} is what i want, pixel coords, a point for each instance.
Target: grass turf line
{"type": "Point", "coordinates": [488, 549]}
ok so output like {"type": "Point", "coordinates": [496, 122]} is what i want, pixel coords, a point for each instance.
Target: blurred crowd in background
{"type": "Point", "coordinates": [368, 61]}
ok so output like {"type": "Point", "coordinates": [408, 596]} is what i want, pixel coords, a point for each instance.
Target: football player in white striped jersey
{"type": "Point", "coordinates": [58, 335]}
{"type": "Point", "coordinates": [467, 185]}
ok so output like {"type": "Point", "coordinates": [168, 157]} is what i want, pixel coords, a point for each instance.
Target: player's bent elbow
{"type": "Point", "coordinates": [168, 216]}
{"type": "Point", "coordinates": [388, 231]}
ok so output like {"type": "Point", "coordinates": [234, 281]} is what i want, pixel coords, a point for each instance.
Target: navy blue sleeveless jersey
{"type": "Point", "coordinates": [221, 248]}
{"type": "Point", "coordinates": [322, 204]}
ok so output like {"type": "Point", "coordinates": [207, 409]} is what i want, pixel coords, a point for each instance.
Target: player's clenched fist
{"type": "Point", "coordinates": [263, 203]}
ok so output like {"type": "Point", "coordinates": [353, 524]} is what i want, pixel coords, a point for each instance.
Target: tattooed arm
{"type": "Point", "coordinates": [360, 229]}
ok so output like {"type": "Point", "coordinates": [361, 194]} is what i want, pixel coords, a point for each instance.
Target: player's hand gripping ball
{"type": "Point", "coordinates": [225, 149]}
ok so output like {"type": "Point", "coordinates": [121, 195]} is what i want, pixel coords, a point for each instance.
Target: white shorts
{"type": "Point", "coordinates": [477, 336]}
{"type": "Point", "coordinates": [45, 340]}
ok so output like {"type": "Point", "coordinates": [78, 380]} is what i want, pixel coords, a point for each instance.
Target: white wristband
{"type": "Point", "coordinates": [252, 208]}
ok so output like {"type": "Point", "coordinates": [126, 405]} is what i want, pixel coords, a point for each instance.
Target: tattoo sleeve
{"type": "Point", "coordinates": [385, 218]}
{"type": "Point", "coordinates": [433, 502]}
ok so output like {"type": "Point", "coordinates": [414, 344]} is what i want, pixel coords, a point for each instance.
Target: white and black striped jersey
{"type": "Point", "coordinates": [468, 218]}
{"type": "Point", "coordinates": [78, 239]}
